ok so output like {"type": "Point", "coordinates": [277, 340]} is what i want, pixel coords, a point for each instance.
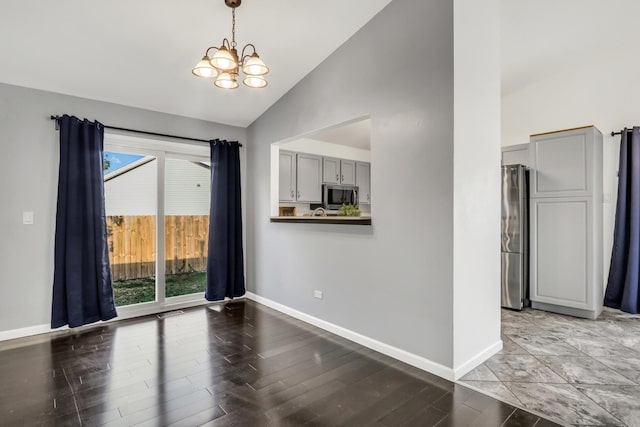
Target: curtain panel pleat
{"type": "Point", "coordinates": [82, 289]}
{"type": "Point", "coordinates": [623, 285]}
{"type": "Point", "coordinates": [225, 260]}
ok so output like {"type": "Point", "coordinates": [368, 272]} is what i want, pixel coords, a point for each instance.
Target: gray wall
{"type": "Point", "coordinates": [391, 281]}
{"type": "Point", "coordinates": [28, 181]}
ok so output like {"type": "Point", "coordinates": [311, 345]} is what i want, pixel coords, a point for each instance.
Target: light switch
{"type": "Point", "coordinates": [27, 218]}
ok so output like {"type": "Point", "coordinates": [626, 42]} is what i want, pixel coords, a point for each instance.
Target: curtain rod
{"type": "Point", "coordinates": [56, 118]}
{"type": "Point", "coordinates": [620, 133]}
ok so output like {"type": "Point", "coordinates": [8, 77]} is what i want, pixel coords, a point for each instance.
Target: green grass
{"type": "Point", "coordinates": [135, 291]}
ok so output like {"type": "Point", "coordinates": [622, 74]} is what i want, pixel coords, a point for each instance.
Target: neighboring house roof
{"type": "Point", "coordinates": [131, 166]}
{"type": "Point", "coordinates": [141, 162]}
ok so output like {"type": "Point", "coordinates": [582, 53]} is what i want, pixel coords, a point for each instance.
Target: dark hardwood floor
{"type": "Point", "coordinates": [239, 364]}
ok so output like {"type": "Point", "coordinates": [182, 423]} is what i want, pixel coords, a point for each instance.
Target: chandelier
{"type": "Point", "coordinates": [226, 63]}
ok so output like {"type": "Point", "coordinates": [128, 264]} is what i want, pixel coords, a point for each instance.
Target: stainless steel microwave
{"type": "Point", "coordinates": [334, 196]}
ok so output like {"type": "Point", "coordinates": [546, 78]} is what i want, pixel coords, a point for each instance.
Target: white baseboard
{"type": "Point", "coordinates": [123, 314]}
{"type": "Point", "coordinates": [27, 332]}
{"type": "Point", "coordinates": [391, 351]}
{"type": "Point", "coordinates": [481, 357]}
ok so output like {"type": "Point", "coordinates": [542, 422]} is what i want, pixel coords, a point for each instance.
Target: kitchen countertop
{"type": "Point", "coordinates": [351, 220]}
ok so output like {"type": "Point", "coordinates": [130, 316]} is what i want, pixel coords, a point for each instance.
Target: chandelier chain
{"type": "Point", "coordinates": [233, 27]}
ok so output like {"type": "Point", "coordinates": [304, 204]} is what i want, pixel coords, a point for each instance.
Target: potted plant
{"type": "Point", "coordinates": [349, 210]}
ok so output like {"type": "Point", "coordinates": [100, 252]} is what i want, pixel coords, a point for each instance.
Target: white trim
{"type": "Point", "coordinates": [129, 314]}
{"type": "Point", "coordinates": [397, 353]}
{"type": "Point", "coordinates": [27, 332]}
{"type": "Point", "coordinates": [161, 285]}
{"type": "Point", "coordinates": [477, 360]}
{"type": "Point", "coordinates": [157, 143]}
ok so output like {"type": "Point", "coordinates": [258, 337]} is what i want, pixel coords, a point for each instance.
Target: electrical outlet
{"type": "Point", "coordinates": [27, 218]}
{"type": "Point", "coordinates": [317, 294]}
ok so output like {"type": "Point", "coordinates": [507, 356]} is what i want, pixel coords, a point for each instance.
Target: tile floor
{"type": "Point", "coordinates": [573, 371]}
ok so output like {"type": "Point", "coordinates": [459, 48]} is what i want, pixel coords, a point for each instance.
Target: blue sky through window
{"type": "Point", "coordinates": [115, 161]}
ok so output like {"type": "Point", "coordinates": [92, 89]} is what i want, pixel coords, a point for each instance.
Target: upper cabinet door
{"type": "Point", "coordinates": [516, 155]}
{"type": "Point", "coordinates": [563, 163]}
{"type": "Point", "coordinates": [363, 181]}
{"type": "Point", "coordinates": [330, 170]}
{"type": "Point", "coordinates": [287, 183]}
{"type": "Point", "coordinates": [347, 172]}
{"type": "Point", "coordinates": [309, 181]}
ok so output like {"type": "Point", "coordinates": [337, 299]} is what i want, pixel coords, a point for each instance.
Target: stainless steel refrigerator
{"type": "Point", "coordinates": [515, 237]}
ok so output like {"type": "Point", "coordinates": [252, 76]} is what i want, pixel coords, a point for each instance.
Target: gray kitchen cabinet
{"type": "Point", "coordinates": [565, 163]}
{"type": "Point", "coordinates": [338, 171]}
{"type": "Point", "coordinates": [363, 181]}
{"type": "Point", "coordinates": [287, 181]}
{"type": "Point", "coordinates": [561, 255]}
{"type": "Point", "coordinates": [330, 170]}
{"type": "Point", "coordinates": [347, 172]}
{"type": "Point", "coordinates": [309, 178]}
{"type": "Point", "coordinates": [566, 222]}
{"type": "Point", "coordinates": [516, 155]}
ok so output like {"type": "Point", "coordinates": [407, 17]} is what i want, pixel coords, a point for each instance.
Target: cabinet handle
{"type": "Point", "coordinates": [342, 178]}
{"type": "Point", "coordinates": [367, 197]}
{"type": "Point", "coordinates": [298, 194]}
{"type": "Point", "coordinates": [292, 194]}
{"type": "Point", "coordinates": [337, 177]}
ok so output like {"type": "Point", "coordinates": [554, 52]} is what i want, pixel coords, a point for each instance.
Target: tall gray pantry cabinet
{"type": "Point", "coordinates": [566, 222]}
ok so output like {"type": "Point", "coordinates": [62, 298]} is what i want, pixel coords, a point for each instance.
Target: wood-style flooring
{"type": "Point", "coordinates": [234, 364]}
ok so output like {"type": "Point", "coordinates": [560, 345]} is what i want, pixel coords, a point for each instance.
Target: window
{"type": "Point", "coordinates": [186, 214]}
{"type": "Point", "coordinates": [130, 190]}
{"type": "Point", "coordinates": [157, 197]}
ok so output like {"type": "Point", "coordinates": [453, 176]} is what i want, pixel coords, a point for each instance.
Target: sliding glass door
{"type": "Point", "coordinates": [157, 204]}
{"type": "Point", "coordinates": [130, 189]}
{"type": "Point", "coordinates": [186, 219]}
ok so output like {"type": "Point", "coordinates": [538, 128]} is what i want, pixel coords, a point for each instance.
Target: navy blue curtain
{"type": "Point", "coordinates": [82, 291]}
{"type": "Point", "coordinates": [623, 286]}
{"type": "Point", "coordinates": [225, 261]}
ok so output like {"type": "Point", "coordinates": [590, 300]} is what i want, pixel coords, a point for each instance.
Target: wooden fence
{"type": "Point", "coordinates": [132, 245]}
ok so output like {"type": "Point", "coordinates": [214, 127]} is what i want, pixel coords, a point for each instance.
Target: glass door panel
{"type": "Point", "coordinates": [186, 198]}
{"type": "Point", "coordinates": [130, 186]}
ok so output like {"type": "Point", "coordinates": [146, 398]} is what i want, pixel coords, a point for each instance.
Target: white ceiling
{"type": "Point", "coordinates": [140, 53]}
{"type": "Point", "coordinates": [356, 134]}
{"type": "Point", "coordinates": [544, 37]}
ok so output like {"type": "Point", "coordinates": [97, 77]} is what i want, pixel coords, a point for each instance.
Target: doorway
{"type": "Point", "coordinates": [157, 200]}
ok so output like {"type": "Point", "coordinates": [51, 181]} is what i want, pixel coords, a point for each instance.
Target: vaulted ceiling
{"type": "Point", "coordinates": [141, 52]}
